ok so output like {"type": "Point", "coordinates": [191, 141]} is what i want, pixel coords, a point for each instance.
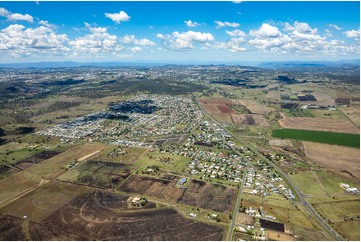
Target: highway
{"type": "Point", "coordinates": [236, 208]}
{"type": "Point", "coordinates": [309, 208]}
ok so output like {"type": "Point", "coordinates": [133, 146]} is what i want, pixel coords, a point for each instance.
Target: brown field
{"type": "Point", "coordinates": [196, 193]}
{"type": "Point", "coordinates": [278, 236]}
{"type": "Point", "coordinates": [36, 159]}
{"type": "Point", "coordinates": [217, 100]}
{"type": "Point", "coordinates": [245, 219]}
{"type": "Point", "coordinates": [350, 230]}
{"type": "Point", "coordinates": [255, 107]}
{"type": "Point", "coordinates": [353, 113]}
{"type": "Point", "coordinates": [165, 190]}
{"type": "Point", "coordinates": [101, 215]}
{"type": "Point", "coordinates": [280, 143]}
{"type": "Point", "coordinates": [220, 198]}
{"type": "Point", "coordinates": [222, 117]}
{"type": "Point", "coordinates": [320, 124]}
{"type": "Point", "coordinates": [44, 201]}
{"type": "Point", "coordinates": [158, 188]}
{"type": "Point", "coordinates": [224, 108]}
{"type": "Point", "coordinates": [49, 168]}
{"type": "Point", "coordinates": [342, 160]}
{"type": "Point", "coordinates": [92, 217]}
{"type": "Point", "coordinates": [249, 119]}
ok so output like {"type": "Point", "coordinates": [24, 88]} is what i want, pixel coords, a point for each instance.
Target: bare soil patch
{"type": "Point", "coordinates": [255, 107]}
{"type": "Point", "coordinates": [320, 124]}
{"type": "Point", "coordinates": [342, 160]}
{"type": "Point", "coordinates": [249, 119]}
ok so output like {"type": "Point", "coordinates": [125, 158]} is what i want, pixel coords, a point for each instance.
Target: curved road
{"type": "Point", "coordinates": [304, 203]}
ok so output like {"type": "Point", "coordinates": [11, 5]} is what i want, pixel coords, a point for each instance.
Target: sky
{"type": "Point", "coordinates": [179, 32]}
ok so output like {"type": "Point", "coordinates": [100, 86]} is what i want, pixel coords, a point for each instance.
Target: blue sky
{"type": "Point", "coordinates": [179, 31]}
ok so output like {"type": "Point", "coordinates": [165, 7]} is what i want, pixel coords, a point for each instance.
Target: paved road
{"type": "Point", "coordinates": [323, 224]}
{"type": "Point", "coordinates": [236, 207]}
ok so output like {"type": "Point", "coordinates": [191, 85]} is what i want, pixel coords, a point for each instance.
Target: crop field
{"type": "Point", "coordinates": [297, 112]}
{"type": "Point", "coordinates": [343, 160]}
{"type": "Point", "coordinates": [319, 124]}
{"type": "Point", "coordinates": [255, 107]}
{"type": "Point", "coordinates": [249, 119]}
{"type": "Point", "coordinates": [96, 216]}
{"type": "Point", "coordinates": [343, 139]}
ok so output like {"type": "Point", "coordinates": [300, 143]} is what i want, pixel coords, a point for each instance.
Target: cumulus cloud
{"type": "Point", "coordinates": [16, 41]}
{"type": "Point", "coordinates": [4, 12]}
{"type": "Point", "coordinates": [220, 24]}
{"type": "Point", "coordinates": [266, 31]}
{"type": "Point", "coordinates": [136, 49]}
{"type": "Point", "coordinates": [46, 24]}
{"type": "Point", "coordinates": [235, 33]}
{"type": "Point", "coordinates": [98, 41]}
{"type": "Point", "coordinates": [185, 40]}
{"type": "Point", "coordinates": [16, 16]}
{"type": "Point", "coordinates": [130, 39]}
{"type": "Point", "coordinates": [191, 24]}
{"type": "Point", "coordinates": [353, 34]}
{"type": "Point", "coordinates": [118, 17]}
{"type": "Point", "coordinates": [334, 26]}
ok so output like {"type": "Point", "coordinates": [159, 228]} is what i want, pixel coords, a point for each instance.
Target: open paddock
{"type": "Point", "coordinates": [342, 160]}
{"type": "Point", "coordinates": [319, 124]}
{"type": "Point", "coordinates": [87, 217]}
{"type": "Point", "coordinates": [249, 119]}
{"type": "Point", "coordinates": [196, 193]}
{"type": "Point", "coordinates": [255, 107]}
{"type": "Point", "coordinates": [350, 230]}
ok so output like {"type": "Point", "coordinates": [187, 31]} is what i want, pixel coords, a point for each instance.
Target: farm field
{"type": "Point", "coordinates": [49, 168]}
{"type": "Point", "coordinates": [97, 215]}
{"type": "Point", "coordinates": [200, 194]}
{"type": "Point", "coordinates": [249, 119]}
{"type": "Point", "coordinates": [319, 124]}
{"type": "Point", "coordinates": [255, 107]}
{"type": "Point", "coordinates": [342, 160]}
{"type": "Point", "coordinates": [343, 139]}
{"type": "Point", "coordinates": [336, 211]}
{"type": "Point", "coordinates": [96, 173]}
{"type": "Point", "coordinates": [43, 201]}
{"type": "Point", "coordinates": [350, 230]}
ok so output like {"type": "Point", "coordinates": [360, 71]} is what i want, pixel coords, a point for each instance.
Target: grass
{"type": "Point", "coordinates": [343, 139]}
{"type": "Point", "coordinates": [298, 112]}
{"type": "Point", "coordinates": [331, 182]}
{"type": "Point", "coordinates": [177, 163]}
{"type": "Point", "coordinates": [350, 230]}
{"type": "Point", "coordinates": [308, 183]}
{"type": "Point", "coordinates": [338, 210]}
{"type": "Point", "coordinates": [11, 157]}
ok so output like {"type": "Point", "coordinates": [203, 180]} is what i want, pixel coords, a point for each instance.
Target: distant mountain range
{"type": "Point", "coordinates": [271, 65]}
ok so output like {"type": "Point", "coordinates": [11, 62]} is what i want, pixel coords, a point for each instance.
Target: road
{"type": "Point", "coordinates": [323, 224]}
{"type": "Point", "coordinates": [236, 207]}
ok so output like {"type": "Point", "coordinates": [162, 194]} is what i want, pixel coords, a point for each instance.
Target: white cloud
{"type": "Point", "coordinates": [17, 41]}
{"type": "Point", "coordinates": [288, 27]}
{"type": "Point", "coordinates": [334, 26]}
{"type": "Point", "coordinates": [194, 36]}
{"type": "Point", "coordinates": [18, 16]}
{"type": "Point", "coordinates": [191, 24]}
{"type": "Point", "coordinates": [136, 49]}
{"type": "Point", "coordinates": [221, 24]}
{"type": "Point", "coordinates": [146, 42]}
{"type": "Point", "coordinates": [160, 36]}
{"type": "Point", "coordinates": [235, 33]}
{"type": "Point", "coordinates": [237, 1]}
{"type": "Point", "coordinates": [265, 31]}
{"type": "Point", "coordinates": [118, 17]}
{"type": "Point", "coordinates": [98, 41]}
{"type": "Point", "coordinates": [46, 24]}
{"type": "Point", "coordinates": [130, 39]}
{"type": "Point", "coordinates": [4, 12]}
{"type": "Point", "coordinates": [353, 34]}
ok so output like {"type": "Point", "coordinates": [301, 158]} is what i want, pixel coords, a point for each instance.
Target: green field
{"type": "Point", "coordinates": [343, 139]}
